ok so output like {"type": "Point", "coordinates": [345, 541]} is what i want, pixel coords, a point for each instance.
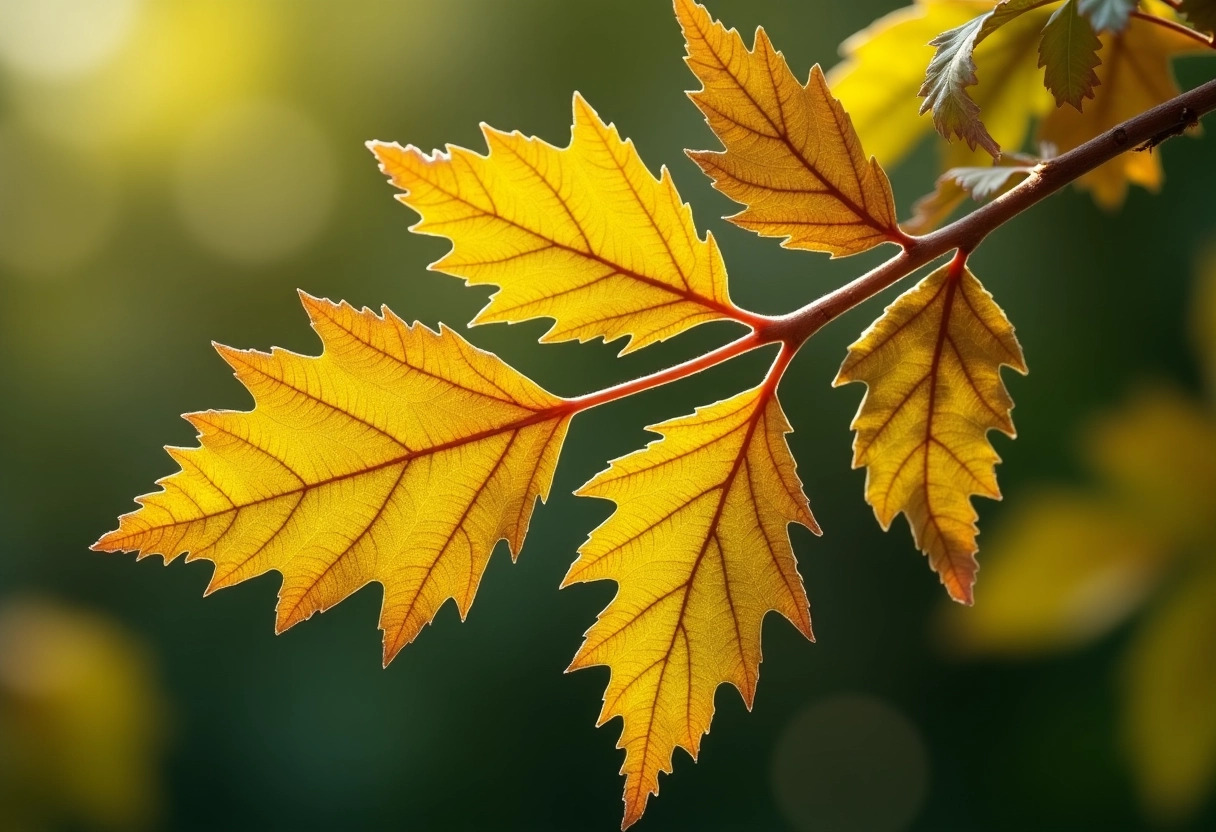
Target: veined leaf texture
{"type": "Point", "coordinates": [400, 455]}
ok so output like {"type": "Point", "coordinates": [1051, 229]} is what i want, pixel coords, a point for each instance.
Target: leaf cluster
{"type": "Point", "coordinates": [402, 455]}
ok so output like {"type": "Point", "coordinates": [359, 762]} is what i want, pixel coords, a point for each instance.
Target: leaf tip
{"type": "Point", "coordinates": [105, 543]}
{"type": "Point", "coordinates": [962, 593]}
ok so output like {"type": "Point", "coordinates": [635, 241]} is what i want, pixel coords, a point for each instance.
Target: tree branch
{"type": "Point", "coordinates": [792, 330]}
{"type": "Point", "coordinates": [1157, 124]}
{"type": "Point", "coordinates": [1186, 31]}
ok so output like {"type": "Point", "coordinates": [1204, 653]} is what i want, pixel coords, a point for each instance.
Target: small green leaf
{"type": "Point", "coordinates": [1006, 11]}
{"type": "Point", "coordinates": [984, 182]}
{"type": "Point", "coordinates": [1200, 13]}
{"type": "Point", "coordinates": [1108, 15]}
{"type": "Point", "coordinates": [950, 72]}
{"type": "Point", "coordinates": [1069, 54]}
{"type": "Point", "coordinates": [979, 182]}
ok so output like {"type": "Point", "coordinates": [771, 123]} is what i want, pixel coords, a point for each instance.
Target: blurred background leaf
{"type": "Point", "coordinates": [81, 722]}
{"type": "Point", "coordinates": [1066, 567]}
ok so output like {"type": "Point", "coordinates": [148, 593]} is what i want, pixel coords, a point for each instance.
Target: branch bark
{"type": "Point", "coordinates": [1159, 123]}
{"type": "Point", "coordinates": [792, 330]}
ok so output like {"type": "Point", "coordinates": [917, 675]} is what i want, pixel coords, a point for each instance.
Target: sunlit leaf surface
{"type": "Point", "coordinates": [932, 364]}
{"type": "Point", "coordinates": [398, 456]}
{"type": "Point", "coordinates": [699, 547]}
{"type": "Point", "coordinates": [791, 157]}
{"type": "Point", "coordinates": [584, 234]}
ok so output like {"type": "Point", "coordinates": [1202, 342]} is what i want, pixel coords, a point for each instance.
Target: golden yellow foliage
{"type": "Point", "coordinates": [792, 157]}
{"type": "Point", "coordinates": [1134, 76]}
{"type": "Point", "coordinates": [931, 364]}
{"type": "Point", "coordinates": [400, 455]}
{"type": "Point", "coordinates": [584, 234]}
{"type": "Point", "coordinates": [884, 67]}
{"type": "Point", "coordinates": [699, 547]}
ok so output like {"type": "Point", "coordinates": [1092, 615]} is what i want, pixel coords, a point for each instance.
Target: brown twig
{"type": "Point", "coordinates": [963, 235]}
{"type": "Point", "coordinates": [1177, 27]}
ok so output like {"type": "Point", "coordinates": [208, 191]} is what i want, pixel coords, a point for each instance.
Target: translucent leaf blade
{"type": "Point", "coordinates": [584, 234]}
{"type": "Point", "coordinates": [398, 456]}
{"type": "Point", "coordinates": [699, 547]}
{"type": "Point", "coordinates": [931, 364]}
{"type": "Point", "coordinates": [791, 156]}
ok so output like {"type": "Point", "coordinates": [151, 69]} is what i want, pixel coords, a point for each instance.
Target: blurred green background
{"type": "Point", "coordinates": [172, 170]}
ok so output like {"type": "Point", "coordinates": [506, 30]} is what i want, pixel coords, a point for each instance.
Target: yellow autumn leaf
{"type": "Point", "coordinates": [931, 364]}
{"type": "Point", "coordinates": [699, 547]}
{"type": "Point", "coordinates": [791, 157]}
{"type": "Point", "coordinates": [1134, 76]}
{"type": "Point", "coordinates": [884, 67]}
{"type": "Point", "coordinates": [1169, 718]}
{"type": "Point", "coordinates": [583, 234]}
{"type": "Point", "coordinates": [399, 456]}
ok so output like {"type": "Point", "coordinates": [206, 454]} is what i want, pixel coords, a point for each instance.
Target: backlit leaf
{"type": "Point", "coordinates": [1135, 76]}
{"type": "Point", "coordinates": [583, 234]}
{"type": "Point", "coordinates": [399, 456]}
{"type": "Point", "coordinates": [791, 154]}
{"type": "Point", "coordinates": [699, 547]}
{"type": "Point", "coordinates": [931, 364]}
{"type": "Point", "coordinates": [1108, 15]}
{"type": "Point", "coordinates": [884, 67]}
{"type": "Point", "coordinates": [1069, 52]}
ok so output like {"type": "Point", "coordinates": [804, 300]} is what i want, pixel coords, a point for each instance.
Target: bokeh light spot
{"type": "Point", "coordinates": [850, 764]}
{"type": "Point", "coordinates": [56, 38]}
{"type": "Point", "coordinates": [256, 182]}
